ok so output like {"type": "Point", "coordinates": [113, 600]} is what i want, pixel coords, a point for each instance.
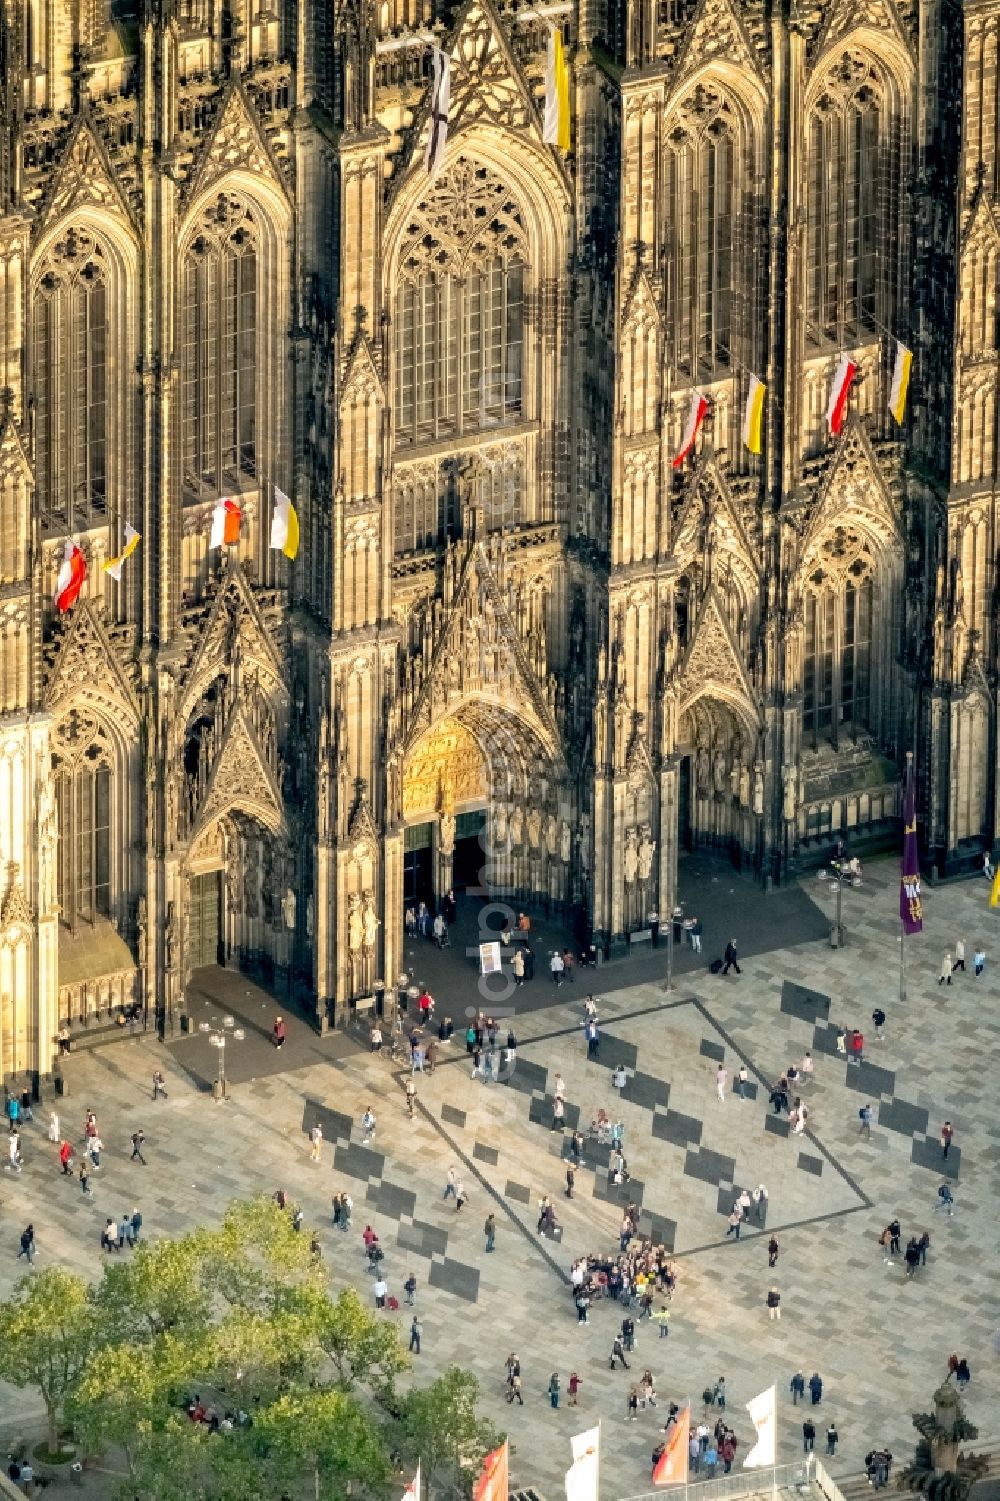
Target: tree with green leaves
{"type": "Point", "coordinates": [328, 1435]}
{"type": "Point", "coordinates": [48, 1332]}
{"type": "Point", "coordinates": [442, 1428]}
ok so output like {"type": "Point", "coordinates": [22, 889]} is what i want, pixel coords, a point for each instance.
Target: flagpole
{"type": "Point", "coordinates": [902, 925]}
{"type": "Point", "coordinates": [598, 1496]}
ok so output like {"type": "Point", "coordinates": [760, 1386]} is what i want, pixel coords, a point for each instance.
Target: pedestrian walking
{"type": "Point", "coordinates": [490, 1231]}
{"type": "Point", "coordinates": [773, 1303]}
{"type": "Point", "coordinates": [895, 1231]}
{"type": "Point", "coordinates": [514, 1389]}
{"type": "Point", "coordinates": [759, 1197]}
{"type": "Point", "coordinates": [959, 954]}
{"type": "Point", "coordinates": [556, 967]}
{"type": "Point", "coordinates": [618, 1352]}
{"type": "Point", "coordinates": [946, 1200]}
{"type": "Point", "coordinates": [84, 1176]}
{"type": "Point", "coordinates": [741, 1081]}
{"type": "Point", "coordinates": [865, 1117]}
{"type": "Point", "coordinates": [416, 1330]}
{"type": "Point", "coordinates": [461, 1197]}
{"type": "Point", "coordinates": [66, 1158]}
{"type": "Point", "coordinates": [159, 1085]}
{"type": "Point", "coordinates": [912, 1257]}
{"type": "Point", "coordinates": [410, 1289]}
{"type": "Point", "coordinates": [735, 1221]}
{"type": "Point", "coordinates": [136, 1226]}
{"type": "Point", "coordinates": [517, 965]}
{"type": "Point", "coordinates": [856, 1047]}
{"type": "Point", "coordinates": [662, 1317]}
{"type": "Point", "coordinates": [558, 1114]}
{"type": "Point", "coordinates": [721, 1079]}
{"type": "Point", "coordinates": [554, 1389]}
{"type": "Point", "coordinates": [570, 1180]}
{"type": "Point", "coordinates": [592, 1033]}
{"type": "Point", "coordinates": [573, 1389]}
{"type": "Point", "coordinates": [138, 1137]}
{"type": "Point", "coordinates": [772, 1251]}
{"type": "Point", "coordinates": [797, 1387]}
{"type": "Point", "coordinates": [14, 1152]}
{"type": "Point", "coordinates": [946, 966]}
{"type": "Point", "coordinates": [619, 1078]}
{"type": "Point", "coordinates": [980, 961]}
{"type": "Point", "coordinates": [731, 961]}
{"type": "Point", "coordinates": [696, 930]}
{"type": "Point", "coordinates": [808, 1436]}
{"type": "Point", "coordinates": [947, 1137]}
{"type": "Point", "coordinates": [278, 1033]}
{"type": "Point", "coordinates": [923, 1245]}
{"type": "Point", "coordinates": [816, 1388]}
{"type": "Point", "coordinates": [878, 1019]}
{"type": "Point", "coordinates": [410, 1089]}
{"type": "Point", "coordinates": [54, 1133]}
{"type": "Point", "coordinates": [316, 1143]}
{"type": "Point", "coordinates": [380, 1288]}
{"type": "Point", "coordinates": [368, 1123]}
{"type": "Point", "coordinates": [832, 1439]}
{"type": "Point", "coordinates": [27, 1244]}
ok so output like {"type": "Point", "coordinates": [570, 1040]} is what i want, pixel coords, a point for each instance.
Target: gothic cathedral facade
{"type": "Point", "coordinates": [519, 646]}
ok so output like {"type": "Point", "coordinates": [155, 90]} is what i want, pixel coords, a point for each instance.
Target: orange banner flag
{"type": "Point", "coordinates": [672, 1466]}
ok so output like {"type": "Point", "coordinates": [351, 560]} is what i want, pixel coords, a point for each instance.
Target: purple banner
{"type": "Point", "coordinates": [911, 912]}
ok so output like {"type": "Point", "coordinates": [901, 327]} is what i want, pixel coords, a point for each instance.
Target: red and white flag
{"type": "Point", "coordinates": [696, 416]}
{"type": "Point", "coordinates": [226, 520]}
{"type": "Point", "coordinates": [840, 393]}
{"type": "Point", "coordinates": [412, 1492]}
{"type": "Point", "coordinates": [72, 572]}
{"type": "Point", "coordinates": [672, 1466]}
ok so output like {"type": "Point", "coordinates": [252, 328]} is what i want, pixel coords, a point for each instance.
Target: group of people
{"type": "Point", "coordinates": [419, 919]}
{"type": "Point", "coordinates": [116, 1235]}
{"type": "Point", "coordinates": [915, 1254]}
{"type": "Point", "coordinates": [640, 1272]}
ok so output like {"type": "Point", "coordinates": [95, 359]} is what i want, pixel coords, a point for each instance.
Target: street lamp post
{"type": "Point", "coordinates": [677, 911]}
{"type": "Point", "coordinates": [217, 1039]}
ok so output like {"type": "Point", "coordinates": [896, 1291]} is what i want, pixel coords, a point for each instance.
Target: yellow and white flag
{"type": "Point", "coordinates": [900, 381]}
{"type": "Point", "coordinates": [114, 565]}
{"type": "Point", "coordinates": [763, 1411]}
{"type": "Point", "coordinates": [582, 1477]}
{"type": "Point", "coordinates": [284, 525]}
{"type": "Point", "coordinates": [555, 125]}
{"type": "Point", "coordinates": [753, 416]}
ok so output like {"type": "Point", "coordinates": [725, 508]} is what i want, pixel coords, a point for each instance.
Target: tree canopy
{"type": "Point", "coordinates": [301, 1384]}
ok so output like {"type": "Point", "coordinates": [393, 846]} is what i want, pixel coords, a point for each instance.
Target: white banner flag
{"type": "Point", "coordinates": [764, 1412]}
{"type": "Point", "coordinates": [582, 1475]}
{"type": "Point", "coordinates": [437, 125]}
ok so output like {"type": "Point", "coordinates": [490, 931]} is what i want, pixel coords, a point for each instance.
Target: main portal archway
{"type": "Point", "coordinates": [485, 774]}
{"type": "Point", "coordinates": [720, 792]}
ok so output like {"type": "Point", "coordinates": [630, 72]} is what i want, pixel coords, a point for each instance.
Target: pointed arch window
{"type": "Point", "coordinates": [705, 162]}
{"type": "Point", "coordinates": [855, 146]}
{"type": "Point", "coordinates": [69, 378]}
{"type": "Point", "coordinates": [83, 781]}
{"type": "Point", "coordinates": [460, 310]}
{"type": "Point", "coordinates": [219, 363]}
{"type": "Point", "coordinates": [838, 652]}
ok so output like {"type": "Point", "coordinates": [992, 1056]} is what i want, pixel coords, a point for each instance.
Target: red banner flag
{"type": "Point", "coordinates": [672, 1466]}
{"type": "Point", "coordinates": [492, 1483]}
{"type": "Point", "coordinates": [911, 910]}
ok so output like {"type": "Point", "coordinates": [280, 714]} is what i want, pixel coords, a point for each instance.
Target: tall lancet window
{"type": "Point", "coordinates": [856, 142]}
{"type": "Point", "coordinates": [706, 161]}
{"type": "Point", "coordinates": [69, 380]}
{"type": "Point", "coordinates": [220, 321]}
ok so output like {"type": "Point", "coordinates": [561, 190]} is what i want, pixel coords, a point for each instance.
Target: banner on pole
{"type": "Point", "coordinates": [763, 1410]}
{"type": "Point", "coordinates": [582, 1477]}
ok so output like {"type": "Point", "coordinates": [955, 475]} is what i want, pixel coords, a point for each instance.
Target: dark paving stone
{"type": "Point", "coordinates": [709, 1167]}
{"type": "Point", "coordinates": [540, 1113]}
{"type": "Point", "coordinates": [809, 1164]}
{"type": "Point", "coordinates": [807, 1005]}
{"type": "Point", "coordinates": [595, 1153]}
{"type": "Point", "coordinates": [391, 1200]}
{"type": "Point", "coordinates": [358, 1162]}
{"type": "Point", "coordinates": [336, 1125]}
{"type": "Point", "coordinates": [728, 1194]}
{"type": "Point", "coordinates": [527, 1078]}
{"type": "Point", "coordinates": [411, 1240]}
{"type": "Point", "coordinates": [615, 1050]}
{"type": "Point", "coordinates": [645, 1090]}
{"type": "Point", "coordinates": [710, 1049]}
{"type": "Point", "coordinates": [750, 1090]}
{"type": "Point", "coordinates": [661, 1231]}
{"type": "Point", "coordinates": [486, 1154]}
{"type": "Point", "coordinates": [682, 1130]}
{"type": "Point", "coordinates": [908, 1120]}
{"type": "Point", "coordinates": [433, 1239]}
{"type": "Point", "coordinates": [453, 1117]}
{"type": "Point", "coordinates": [926, 1152]}
{"type": "Point", "coordinates": [518, 1193]}
{"type": "Point", "coordinates": [776, 1124]}
{"type": "Point", "coordinates": [618, 1193]}
{"type": "Point", "coordinates": [869, 1079]}
{"type": "Point", "coordinates": [457, 1278]}
{"type": "Point", "coordinates": [825, 1041]}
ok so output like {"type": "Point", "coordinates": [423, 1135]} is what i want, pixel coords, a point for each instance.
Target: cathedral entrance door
{"type": "Point", "coordinates": [684, 836]}
{"type": "Point", "coordinates": [206, 923]}
{"type": "Point", "coordinates": [470, 855]}
{"type": "Point", "coordinates": [418, 880]}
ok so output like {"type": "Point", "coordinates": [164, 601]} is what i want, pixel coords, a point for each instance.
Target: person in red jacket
{"type": "Point", "coordinates": [66, 1157]}
{"type": "Point", "coordinates": [856, 1043]}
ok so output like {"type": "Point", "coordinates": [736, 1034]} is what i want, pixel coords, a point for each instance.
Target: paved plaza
{"type": "Point", "coordinates": [879, 1342]}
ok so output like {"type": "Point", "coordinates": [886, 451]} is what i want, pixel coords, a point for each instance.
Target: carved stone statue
{"type": "Point", "coordinates": [141, 927]}
{"type": "Point", "coordinates": [719, 771]}
{"type": "Point", "coordinates": [500, 826]}
{"type": "Point", "coordinates": [48, 843]}
{"type": "Point", "coordinates": [744, 784]}
{"type": "Point", "coordinates": [584, 841]}
{"type": "Point", "coordinates": [369, 918]}
{"type": "Point", "coordinates": [517, 825]}
{"type": "Point", "coordinates": [631, 857]}
{"type": "Point", "coordinates": [758, 789]}
{"type": "Point", "coordinates": [789, 780]}
{"type": "Point", "coordinates": [446, 834]}
{"type": "Point", "coordinates": [173, 936]}
{"type": "Point", "coordinates": [551, 835]}
{"type": "Point", "coordinates": [703, 771]}
{"type": "Point", "coordinates": [647, 847]}
{"type": "Point", "coordinates": [534, 828]}
{"type": "Point", "coordinates": [310, 915]}
{"type": "Point", "coordinates": [288, 908]}
{"type": "Point", "coordinates": [565, 842]}
{"type": "Point", "coordinates": [355, 925]}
